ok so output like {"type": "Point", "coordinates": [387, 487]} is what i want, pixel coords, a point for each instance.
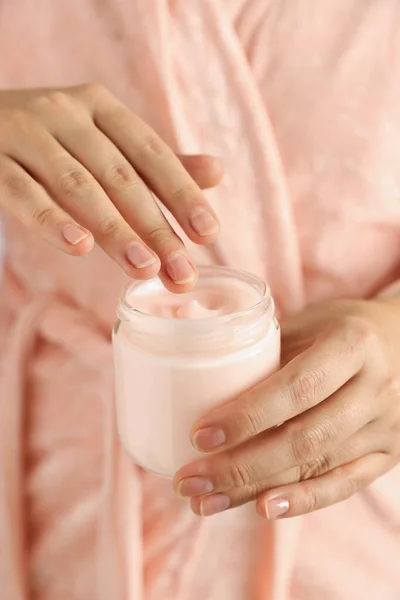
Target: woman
{"type": "Point", "coordinates": [300, 100]}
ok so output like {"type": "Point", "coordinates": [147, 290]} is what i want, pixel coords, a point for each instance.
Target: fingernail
{"type": "Point", "coordinates": [208, 438]}
{"type": "Point", "coordinates": [195, 486]}
{"type": "Point", "coordinates": [276, 508]}
{"type": "Point", "coordinates": [139, 256]}
{"type": "Point", "coordinates": [203, 222]}
{"type": "Point", "coordinates": [179, 268]}
{"type": "Point", "coordinates": [73, 234]}
{"type": "Point", "coordinates": [214, 504]}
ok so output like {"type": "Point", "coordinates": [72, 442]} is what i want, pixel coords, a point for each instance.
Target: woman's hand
{"type": "Point", "coordinates": [77, 166]}
{"type": "Point", "coordinates": [338, 397]}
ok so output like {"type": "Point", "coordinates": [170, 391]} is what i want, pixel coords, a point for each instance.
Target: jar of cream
{"type": "Point", "coordinates": [178, 356]}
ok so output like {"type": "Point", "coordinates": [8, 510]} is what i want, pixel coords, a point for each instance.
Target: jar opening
{"type": "Point", "coordinates": [242, 295]}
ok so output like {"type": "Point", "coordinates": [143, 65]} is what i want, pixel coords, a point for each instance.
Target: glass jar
{"type": "Point", "coordinates": [171, 371]}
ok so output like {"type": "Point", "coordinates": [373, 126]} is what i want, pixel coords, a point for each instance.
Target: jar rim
{"type": "Point", "coordinates": [254, 281]}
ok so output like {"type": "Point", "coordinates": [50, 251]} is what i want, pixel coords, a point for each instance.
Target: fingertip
{"type": "Point", "coordinates": [73, 234]}
{"type": "Point", "coordinates": [208, 439]}
{"type": "Point", "coordinates": [211, 171]}
{"type": "Point", "coordinates": [205, 240]}
{"type": "Point", "coordinates": [260, 508]}
{"type": "Point", "coordinates": [195, 506]}
{"type": "Point", "coordinates": [274, 505]}
{"type": "Point", "coordinates": [143, 273]}
{"type": "Point", "coordinates": [216, 169]}
{"type": "Point", "coordinates": [178, 274]}
{"type": "Point", "coordinates": [175, 288]}
{"type": "Point", "coordinates": [206, 170]}
{"type": "Point", "coordinates": [81, 247]}
{"type": "Point", "coordinates": [203, 225]}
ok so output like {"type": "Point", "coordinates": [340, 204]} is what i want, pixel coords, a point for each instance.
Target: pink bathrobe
{"type": "Point", "coordinates": [301, 99]}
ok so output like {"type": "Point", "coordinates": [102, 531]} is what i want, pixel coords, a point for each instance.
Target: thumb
{"type": "Point", "coordinates": [207, 171]}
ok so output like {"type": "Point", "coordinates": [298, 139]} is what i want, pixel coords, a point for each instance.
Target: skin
{"type": "Point", "coordinates": [78, 167]}
{"type": "Point", "coordinates": [323, 427]}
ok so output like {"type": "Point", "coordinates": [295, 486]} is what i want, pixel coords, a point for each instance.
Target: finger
{"type": "Point", "coordinates": [295, 443]}
{"type": "Point", "coordinates": [207, 171]}
{"type": "Point", "coordinates": [131, 197]}
{"type": "Point", "coordinates": [364, 442]}
{"type": "Point", "coordinates": [79, 194]}
{"type": "Point", "coordinates": [314, 494]}
{"type": "Point", "coordinates": [213, 502]}
{"type": "Point", "coordinates": [157, 164]}
{"type": "Point", "coordinates": [335, 357]}
{"type": "Point", "coordinates": [24, 198]}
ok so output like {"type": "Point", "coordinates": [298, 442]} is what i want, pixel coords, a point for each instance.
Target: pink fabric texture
{"type": "Point", "coordinates": [302, 102]}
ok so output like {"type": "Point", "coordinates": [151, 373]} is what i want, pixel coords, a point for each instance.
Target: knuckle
{"type": "Point", "coordinates": [240, 475]}
{"type": "Point", "coordinates": [14, 187]}
{"type": "Point", "coordinates": [303, 386]}
{"type": "Point", "coordinates": [311, 499]}
{"type": "Point", "coordinates": [50, 100]}
{"type": "Point", "coordinates": [349, 481]}
{"type": "Point", "coordinates": [153, 145]}
{"type": "Point", "coordinates": [92, 90]}
{"type": "Point", "coordinates": [392, 387]}
{"type": "Point", "coordinates": [44, 216]}
{"type": "Point", "coordinates": [111, 227]}
{"type": "Point", "coordinates": [159, 235]}
{"type": "Point", "coordinates": [17, 118]}
{"type": "Point", "coordinates": [75, 182]}
{"type": "Point", "coordinates": [307, 444]}
{"type": "Point", "coordinates": [251, 423]}
{"type": "Point", "coordinates": [186, 195]}
{"type": "Point", "coordinates": [317, 467]}
{"type": "Point", "coordinates": [390, 444]}
{"type": "Point", "coordinates": [356, 331]}
{"type": "Point", "coordinates": [122, 176]}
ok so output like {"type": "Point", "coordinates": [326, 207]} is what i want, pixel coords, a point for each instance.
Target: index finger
{"type": "Point", "coordinates": [334, 358]}
{"type": "Point", "coordinates": [158, 166]}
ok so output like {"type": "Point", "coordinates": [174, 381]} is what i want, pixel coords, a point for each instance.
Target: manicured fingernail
{"type": "Point", "coordinates": [214, 504]}
{"type": "Point", "coordinates": [139, 256]}
{"type": "Point", "coordinates": [276, 508]}
{"type": "Point", "coordinates": [208, 438]}
{"type": "Point", "coordinates": [195, 486]}
{"type": "Point", "coordinates": [179, 268]}
{"type": "Point", "coordinates": [73, 234]}
{"type": "Point", "coordinates": [203, 221]}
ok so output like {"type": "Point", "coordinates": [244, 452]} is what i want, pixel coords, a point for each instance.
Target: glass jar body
{"type": "Point", "coordinates": [170, 372]}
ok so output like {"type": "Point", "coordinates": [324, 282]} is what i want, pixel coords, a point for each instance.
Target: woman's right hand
{"type": "Point", "coordinates": [77, 166]}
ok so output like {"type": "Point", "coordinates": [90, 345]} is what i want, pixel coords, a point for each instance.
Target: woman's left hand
{"type": "Point", "coordinates": [336, 400]}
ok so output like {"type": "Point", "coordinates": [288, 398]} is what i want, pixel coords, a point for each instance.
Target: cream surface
{"type": "Point", "coordinates": [166, 381]}
{"type": "Point", "coordinates": [210, 298]}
